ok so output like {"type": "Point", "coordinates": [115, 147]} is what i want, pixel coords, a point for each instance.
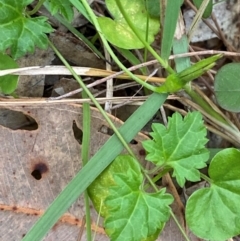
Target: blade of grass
{"type": "Point", "coordinates": [170, 23]}
{"type": "Point", "coordinates": [85, 157]}
{"type": "Point", "coordinates": [94, 167]}
{"type": "Point", "coordinates": [181, 46]}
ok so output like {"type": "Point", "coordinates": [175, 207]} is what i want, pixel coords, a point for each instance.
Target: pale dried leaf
{"type": "Point", "coordinates": [53, 151]}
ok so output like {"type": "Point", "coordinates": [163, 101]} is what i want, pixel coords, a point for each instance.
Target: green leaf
{"type": "Point", "coordinates": [176, 82]}
{"type": "Point", "coordinates": [153, 8]}
{"type": "Point", "coordinates": [8, 83]}
{"type": "Point", "coordinates": [61, 6]}
{"type": "Point", "coordinates": [180, 145]}
{"type": "Point", "coordinates": [170, 23]}
{"type": "Point", "coordinates": [213, 213]}
{"type": "Point", "coordinates": [208, 11]}
{"type": "Point", "coordinates": [19, 33]}
{"type": "Point", "coordinates": [227, 87]}
{"type": "Point", "coordinates": [119, 33]}
{"type": "Point", "coordinates": [129, 212]}
{"type": "Point", "coordinates": [181, 46]}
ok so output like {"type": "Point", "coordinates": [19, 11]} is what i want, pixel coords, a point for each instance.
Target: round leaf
{"type": "Point", "coordinates": [119, 33]}
{"type": "Point", "coordinates": [227, 87]}
{"type": "Point", "coordinates": [8, 83]}
{"type": "Point", "coordinates": [213, 213]}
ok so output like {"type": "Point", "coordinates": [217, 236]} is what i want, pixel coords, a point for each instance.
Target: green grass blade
{"type": "Point", "coordinates": [181, 46]}
{"type": "Point", "coordinates": [85, 157]}
{"type": "Point", "coordinates": [94, 167]}
{"type": "Point", "coordinates": [170, 22]}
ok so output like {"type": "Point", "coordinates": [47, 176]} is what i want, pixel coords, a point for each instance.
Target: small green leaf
{"type": "Point", "coordinates": [8, 83]}
{"type": "Point", "coordinates": [62, 6]}
{"type": "Point", "coordinates": [176, 82]}
{"type": "Point", "coordinates": [180, 145]}
{"type": "Point", "coordinates": [153, 8]}
{"type": "Point", "coordinates": [129, 212]}
{"type": "Point", "coordinates": [213, 213]}
{"type": "Point", "coordinates": [208, 11]}
{"type": "Point", "coordinates": [227, 87]}
{"type": "Point", "coordinates": [19, 33]}
{"type": "Point", "coordinates": [119, 33]}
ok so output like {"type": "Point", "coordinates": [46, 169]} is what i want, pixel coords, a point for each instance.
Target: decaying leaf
{"type": "Point", "coordinates": [37, 164]}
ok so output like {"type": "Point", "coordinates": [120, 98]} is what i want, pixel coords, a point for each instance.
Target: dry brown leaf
{"type": "Point", "coordinates": [33, 86]}
{"type": "Point", "coordinates": [51, 154]}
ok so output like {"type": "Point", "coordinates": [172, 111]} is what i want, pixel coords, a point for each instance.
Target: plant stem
{"type": "Point", "coordinates": [93, 100]}
{"type": "Point", "coordinates": [179, 226]}
{"type": "Point", "coordinates": [39, 4]}
{"type": "Point", "coordinates": [206, 178]}
{"type": "Point", "coordinates": [161, 174]}
{"type": "Point", "coordinates": [147, 46]}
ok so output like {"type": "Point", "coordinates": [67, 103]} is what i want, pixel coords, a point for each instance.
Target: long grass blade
{"type": "Point", "coordinates": [170, 22]}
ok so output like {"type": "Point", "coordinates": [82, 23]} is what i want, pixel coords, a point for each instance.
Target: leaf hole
{"type": "Point", "coordinates": [106, 130]}
{"type": "Point", "coordinates": [38, 170]}
{"type": "Point", "coordinates": [78, 134]}
{"type": "Point", "coordinates": [133, 142]}
{"type": "Point", "coordinates": [16, 120]}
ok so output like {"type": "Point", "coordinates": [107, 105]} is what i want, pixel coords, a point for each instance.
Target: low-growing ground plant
{"type": "Point", "coordinates": [124, 193]}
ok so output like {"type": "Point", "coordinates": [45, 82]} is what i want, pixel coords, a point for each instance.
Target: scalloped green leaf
{"type": "Point", "coordinates": [8, 83]}
{"type": "Point", "coordinates": [227, 87]}
{"type": "Point", "coordinates": [213, 213]}
{"type": "Point", "coordinates": [61, 6]}
{"type": "Point", "coordinates": [119, 33]}
{"type": "Point", "coordinates": [19, 33]}
{"type": "Point", "coordinates": [129, 212]}
{"type": "Point", "coordinates": [180, 145]}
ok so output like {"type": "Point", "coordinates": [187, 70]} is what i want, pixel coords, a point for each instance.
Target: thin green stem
{"type": "Point", "coordinates": [85, 157]}
{"type": "Point", "coordinates": [149, 48]}
{"type": "Point", "coordinates": [179, 226]}
{"type": "Point", "coordinates": [93, 100]}
{"type": "Point", "coordinates": [39, 4]}
{"type": "Point", "coordinates": [88, 216]}
{"type": "Point", "coordinates": [161, 174]}
{"type": "Point", "coordinates": [149, 179]}
{"type": "Point", "coordinates": [206, 178]}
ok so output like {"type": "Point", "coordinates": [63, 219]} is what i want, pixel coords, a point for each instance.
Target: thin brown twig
{"type": "Point", "coordinates": [207, 52]}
